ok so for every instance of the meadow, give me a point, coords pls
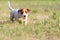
(43, 20)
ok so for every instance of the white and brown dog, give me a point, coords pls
(17, 14)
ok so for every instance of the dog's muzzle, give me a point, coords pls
(24, 16)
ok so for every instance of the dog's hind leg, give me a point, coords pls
(12, 18)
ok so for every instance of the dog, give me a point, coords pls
(17, 14)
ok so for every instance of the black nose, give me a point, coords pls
(24, 15)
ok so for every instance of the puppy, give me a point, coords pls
(17, 14)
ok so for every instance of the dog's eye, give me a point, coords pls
(21, 12)
(25, 11)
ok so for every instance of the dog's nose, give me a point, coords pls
(24, 15)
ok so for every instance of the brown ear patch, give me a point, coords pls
(28, 10)
(20, 10)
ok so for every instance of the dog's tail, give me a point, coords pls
(9, 6)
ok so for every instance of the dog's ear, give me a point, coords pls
(28, 10)
(20, 10)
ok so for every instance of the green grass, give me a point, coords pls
(43, 20)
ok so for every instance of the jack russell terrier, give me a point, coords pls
(17, 14)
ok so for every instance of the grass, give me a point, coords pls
(43, 21)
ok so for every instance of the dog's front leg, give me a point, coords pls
(20, 20)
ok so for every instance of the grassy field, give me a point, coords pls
(43, 20)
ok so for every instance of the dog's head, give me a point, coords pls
(24, 12)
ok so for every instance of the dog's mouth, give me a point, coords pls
(24, 16)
